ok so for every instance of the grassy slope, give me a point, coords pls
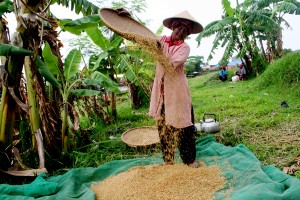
(250, 113)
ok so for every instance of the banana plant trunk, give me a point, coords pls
(135, 101)
(113, 105)
(64, 134)
(5, 137)
(262, 49)
(9, 106)
(113, 99)
(11, 71)
(7, 118)
(271, 55)
(44, 112)
(27, 30)
(279, 43)
(33, 112)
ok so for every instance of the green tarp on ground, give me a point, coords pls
(246, 178)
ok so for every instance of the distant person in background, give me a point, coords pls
(241, 72)
(223, 74)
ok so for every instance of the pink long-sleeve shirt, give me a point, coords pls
(177, 99)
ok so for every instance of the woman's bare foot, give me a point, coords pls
(169, 163)
(194, 164)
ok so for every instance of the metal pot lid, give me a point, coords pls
(209, 120)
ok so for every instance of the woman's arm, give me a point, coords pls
(180, 56)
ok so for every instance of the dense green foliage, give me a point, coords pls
(193, 64)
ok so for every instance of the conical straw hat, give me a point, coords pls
(196, 26)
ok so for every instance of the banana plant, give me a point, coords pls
(68, 80)
(9, 99)
(110, 47)
(112, 60)
(138, 68)
(277, 9)
(236, 32)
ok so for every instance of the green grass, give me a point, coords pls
(249, 113)
(106, 144)
(251, 117)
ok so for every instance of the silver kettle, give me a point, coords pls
(209, 125)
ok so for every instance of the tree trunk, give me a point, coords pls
(5, 136)
(47, 109)
(262, 49)
(134, 95)
(64, 133)
(279, 43)
(246, 62)
(33, 112)
(271, 55)
(113, 105)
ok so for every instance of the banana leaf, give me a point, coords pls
(79, 25)
(72, 62)
(85, 92)
(83, 6)
(46, 73)
(6, 6)
(51, 61)
(104, 81)
(8, 50)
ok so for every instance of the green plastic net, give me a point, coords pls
(246, 178)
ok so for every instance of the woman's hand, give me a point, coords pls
(123, 12)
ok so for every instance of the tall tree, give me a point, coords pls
(236, 32)
(102, 37)
(193, 63)
(276, 10)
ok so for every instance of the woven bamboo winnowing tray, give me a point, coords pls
(127, 27)
(141, 136)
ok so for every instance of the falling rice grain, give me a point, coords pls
(150, 45)
(143, 37)
(162, 182)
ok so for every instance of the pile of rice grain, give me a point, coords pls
(162, 182)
